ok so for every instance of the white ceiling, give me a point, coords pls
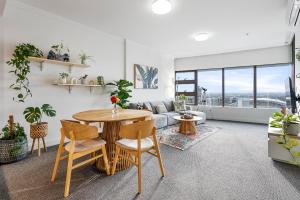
(228, 21)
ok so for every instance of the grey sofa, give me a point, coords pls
(164, 119)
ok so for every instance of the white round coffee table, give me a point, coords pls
(187, 126)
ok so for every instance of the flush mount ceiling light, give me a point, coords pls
(201, 37)
(161, 7)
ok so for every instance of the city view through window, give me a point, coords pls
(238, 86)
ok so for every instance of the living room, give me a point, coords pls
(206, 77)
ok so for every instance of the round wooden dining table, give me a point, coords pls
(111, 128)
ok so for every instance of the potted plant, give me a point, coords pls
(63, 77)
(33, 115)
(21, 69)
(13, 143)
(284, 121)
(83, 58)
(122, 92)
(100, 80)
(83, 79)
(59, 52)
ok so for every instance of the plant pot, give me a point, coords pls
(12, 151)
(84, 81)
(293, 129)
(39, 130)
(63, 80)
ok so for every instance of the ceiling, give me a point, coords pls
(234, 25)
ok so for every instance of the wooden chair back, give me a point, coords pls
(131, 131)
(77, 131)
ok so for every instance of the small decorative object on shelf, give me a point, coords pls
(187, 116)
(13, 142)
(63, 78)
(122, 91)
(100, 80)
(73, 81)
(92, 82)
(114, 100)
(83, 79)
(59, 52)
(83, 58)
(38, 129)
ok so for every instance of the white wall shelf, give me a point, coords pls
(56, 62)
(70, 86)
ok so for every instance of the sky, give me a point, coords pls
(240, 80)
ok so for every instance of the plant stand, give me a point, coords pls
(37, 132)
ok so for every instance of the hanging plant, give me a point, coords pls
(20, 63)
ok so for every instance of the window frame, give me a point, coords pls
(253, 67)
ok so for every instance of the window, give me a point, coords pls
(210, 87)
(271, 85)
(186, 84)
(239, 87)
(246, 87)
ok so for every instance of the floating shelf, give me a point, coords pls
(56, 62)
(70, 86)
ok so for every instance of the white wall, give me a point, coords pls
(243, 58)
(138, 54)
(27, 24)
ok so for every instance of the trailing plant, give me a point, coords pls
(122, 91)
(83, 77)
(83, 58)
(282, 120)
(35, 114)
(20, 63)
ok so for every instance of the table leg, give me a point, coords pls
(111, 135)
(187, 127)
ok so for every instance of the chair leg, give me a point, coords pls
(105, 160)
(159, 156)
(139, 173)
(115, 160)
(39, 149)
(32, 147)
(68, 177)
(59, 151)
(44, 143)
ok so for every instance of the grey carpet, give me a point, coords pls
(231, 164)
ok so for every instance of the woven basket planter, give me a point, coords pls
(39, 130)
(12, 151)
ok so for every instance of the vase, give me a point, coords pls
(115, 109)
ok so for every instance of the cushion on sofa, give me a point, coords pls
(154, 104)
(169, 105)
(171, 120)
(161, 109)
(148, 106)
(179, 106)
(160, 120)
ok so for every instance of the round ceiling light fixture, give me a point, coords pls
(161, 7)
(201, 37)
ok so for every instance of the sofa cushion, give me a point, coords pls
(160, 120)
(169, 105)
(179, 106)
(161, 109)
(171, 120)
(148, 106)
(154, 104)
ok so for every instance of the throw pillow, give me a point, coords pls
(161, 109)
(148, 106)
(179, 106)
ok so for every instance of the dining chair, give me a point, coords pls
(135, 141)
(84, 140)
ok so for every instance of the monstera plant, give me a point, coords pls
(21, 69)
(122, 92)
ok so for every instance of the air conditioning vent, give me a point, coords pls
(293, 12)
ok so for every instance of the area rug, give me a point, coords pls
(173, 138)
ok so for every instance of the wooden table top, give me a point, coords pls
(195, 118)
(105, 115)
